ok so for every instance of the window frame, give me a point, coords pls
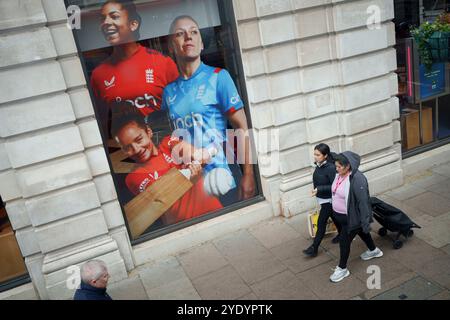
(228, 19)
(18, 280)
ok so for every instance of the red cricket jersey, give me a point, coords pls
(139, 80)
(194, 203)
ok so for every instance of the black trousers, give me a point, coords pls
(346, 238)
(326, 211)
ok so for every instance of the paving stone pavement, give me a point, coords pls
(265, 261)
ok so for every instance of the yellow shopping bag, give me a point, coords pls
(313, 218)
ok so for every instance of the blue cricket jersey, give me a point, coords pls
(199, 106)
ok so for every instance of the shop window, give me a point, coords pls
(164, 127)
(423, 91)
(12, 265)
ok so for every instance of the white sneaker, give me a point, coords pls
(339, 274)
(377, 253)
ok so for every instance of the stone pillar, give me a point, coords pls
(316, 72)
(54, 174)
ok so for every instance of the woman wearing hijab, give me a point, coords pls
(352, 211)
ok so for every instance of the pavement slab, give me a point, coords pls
(414, 289)
(265, 261)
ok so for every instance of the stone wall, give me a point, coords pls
(315, 72)
(54, 175)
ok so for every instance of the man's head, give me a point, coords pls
(120, 21)
(95, 273)
(185, 39)
(129, 129)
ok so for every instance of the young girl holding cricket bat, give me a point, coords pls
(135, 138)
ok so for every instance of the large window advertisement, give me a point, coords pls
(165, 78)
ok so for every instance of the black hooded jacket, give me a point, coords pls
(323, 178)
(359, 208)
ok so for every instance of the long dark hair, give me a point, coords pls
(124, 113)
(325, 150)
(130, 8)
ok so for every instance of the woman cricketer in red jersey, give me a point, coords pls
(133, 73)
(135, 138)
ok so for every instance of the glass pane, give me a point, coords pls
(428, 117)
(434, 4)
(11, 260)
(444, 117)
(166, 89)
(420, 84)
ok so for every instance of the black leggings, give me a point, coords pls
(346, 238)
(326, 211)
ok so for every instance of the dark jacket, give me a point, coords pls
(323, 178)
(359, 208)
(88, 292)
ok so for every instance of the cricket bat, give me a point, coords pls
(150, 205)
(117, 157)
(119, 166)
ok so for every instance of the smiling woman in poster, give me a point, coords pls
(201, 101)
(133, 73)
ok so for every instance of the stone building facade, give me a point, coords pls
(335, 83)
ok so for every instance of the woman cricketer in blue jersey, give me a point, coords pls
(200, 102)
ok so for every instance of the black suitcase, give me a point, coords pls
(392, 219)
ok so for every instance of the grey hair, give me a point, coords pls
(92, 270)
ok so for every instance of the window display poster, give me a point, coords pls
(432, 82)
(166, 104)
